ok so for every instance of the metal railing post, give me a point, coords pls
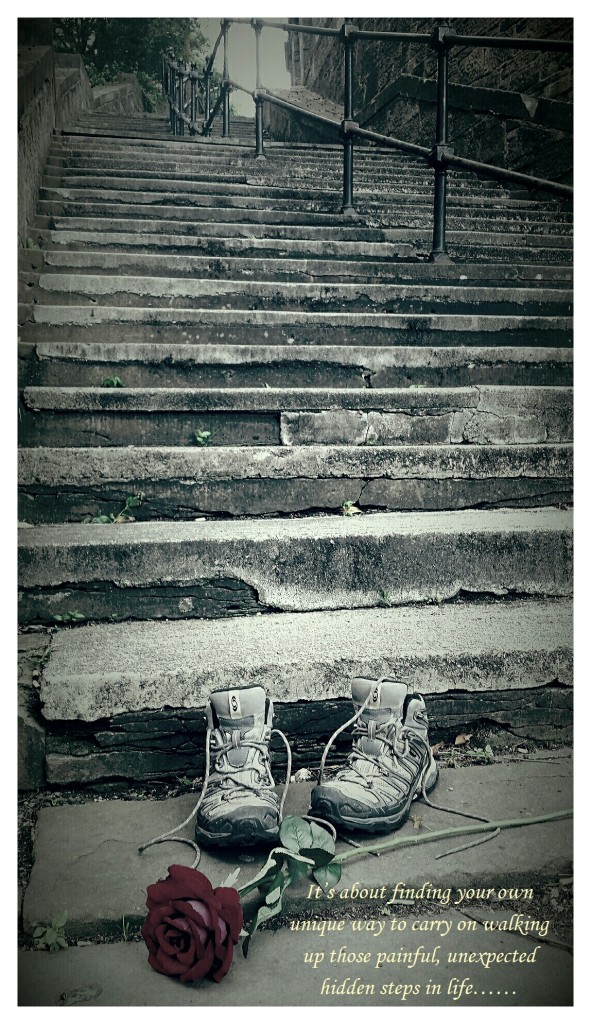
(259, 152)
(226, 88)
(193, 107)
(441, 150)
(347, 209)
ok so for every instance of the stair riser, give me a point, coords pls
(380, 562)
(171, 743)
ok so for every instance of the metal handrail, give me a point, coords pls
(441, 156)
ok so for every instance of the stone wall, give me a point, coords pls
(512, 107)
(53, 88)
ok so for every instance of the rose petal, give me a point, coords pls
(223, 969)
(231, 910)
(201, 968)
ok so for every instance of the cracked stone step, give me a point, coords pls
(235, 267)
(78, 846)
(180, 293)
(186, 570)
(67, 484)
(143, 356)
(88, 417)
(306, 656)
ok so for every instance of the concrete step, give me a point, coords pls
(46, 359)
(463, 247)
(282, 269)
(367, 204)
(101, 290)
(76, 847)
(405, 208)
(211, 570)
(95, 416)
(306, 656)
(67, 484)
(264, 327)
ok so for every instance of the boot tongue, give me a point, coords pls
(233, 706)
(241, 710)
(385, 706)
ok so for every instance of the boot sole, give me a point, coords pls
(245, 833)
(383, 824)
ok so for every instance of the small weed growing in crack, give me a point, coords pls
(482, 754)
(203, 438)
(67, 617)
(126, 930)
(32, 245)
(417, 386)
(42, 657)
(112, 382)
(385, 599)
(349, 508)
(51, 936)
(132, 501)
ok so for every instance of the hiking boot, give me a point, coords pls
(239, 806)
(389, 766)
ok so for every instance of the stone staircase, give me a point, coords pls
(350, 460)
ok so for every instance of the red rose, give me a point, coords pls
(191, 929)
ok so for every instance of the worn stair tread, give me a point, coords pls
(103, 670)
(59, 467)
(285, 399)
(74, 287)
(303, 232)
(199, 317)
(455, 275)
(78, 846)
(304, 564)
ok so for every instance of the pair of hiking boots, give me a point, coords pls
(390, 764)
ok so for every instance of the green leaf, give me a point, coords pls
(132, 502)
(60, 920)
(58, 618)
(320, 857)
(322, 837)
(264, 913)
(75, 615)
(38, 933)
(297, 869)
(50, 936)
(295, 833)
(62, 942)
(328, 875)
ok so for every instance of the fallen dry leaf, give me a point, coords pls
(437, 747)
(462, 738)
